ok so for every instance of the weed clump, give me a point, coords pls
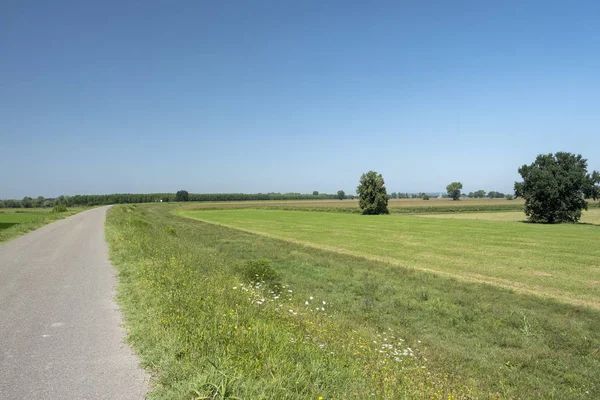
(260, 271)
(59, 208)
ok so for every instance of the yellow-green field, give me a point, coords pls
(592, 216)
(395, 205)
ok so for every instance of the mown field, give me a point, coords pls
(350, 307)
(15, 222)
(559, 261)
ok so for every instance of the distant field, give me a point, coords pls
(557, 261)
(351, 206)
(592, 216)
(18, 221)
(8, 220)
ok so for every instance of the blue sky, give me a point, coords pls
(156, 96)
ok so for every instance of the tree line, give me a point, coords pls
(125, 198)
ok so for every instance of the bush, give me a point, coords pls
(509, 197)
(260, 271)
(425, 197)
(59, 208)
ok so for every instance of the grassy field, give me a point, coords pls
(559, 261)
(333, 324)
(592, 216)
(351, 206)
(15, 222)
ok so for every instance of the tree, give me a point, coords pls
(555, 187)
(373, 198)
(39, 201)
(425, 197)
(315, 193)
(182, 195)
(341, 194)
(27, 202)
(453, 190)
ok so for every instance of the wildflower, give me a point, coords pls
(323, 308)
(311, 297)
(235, 287)
(324, 303)
(306, 302)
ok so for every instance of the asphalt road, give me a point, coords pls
(60, 330)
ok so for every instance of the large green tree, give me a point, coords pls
(373, 198)
(182, 195)
(555, 187)
(453, 190)
(341, 194)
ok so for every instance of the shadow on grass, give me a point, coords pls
(524, 221)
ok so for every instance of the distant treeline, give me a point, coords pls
(123, 198)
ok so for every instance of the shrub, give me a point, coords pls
(59, 208)
(425, 197)
(259, 271)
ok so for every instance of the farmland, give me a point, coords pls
(351, 206)
(18, 221)
(444, 305)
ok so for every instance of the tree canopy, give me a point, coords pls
(341, 194)
(555, 187)
(373, 198)
(182, 195)
(453, 190)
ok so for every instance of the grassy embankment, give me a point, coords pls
(15, 222)
(386, 331)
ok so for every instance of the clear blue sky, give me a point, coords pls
(156, 96)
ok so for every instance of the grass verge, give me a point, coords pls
(321, 324)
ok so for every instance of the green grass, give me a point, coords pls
(196, 333)
(17, 222)
(558, 261)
